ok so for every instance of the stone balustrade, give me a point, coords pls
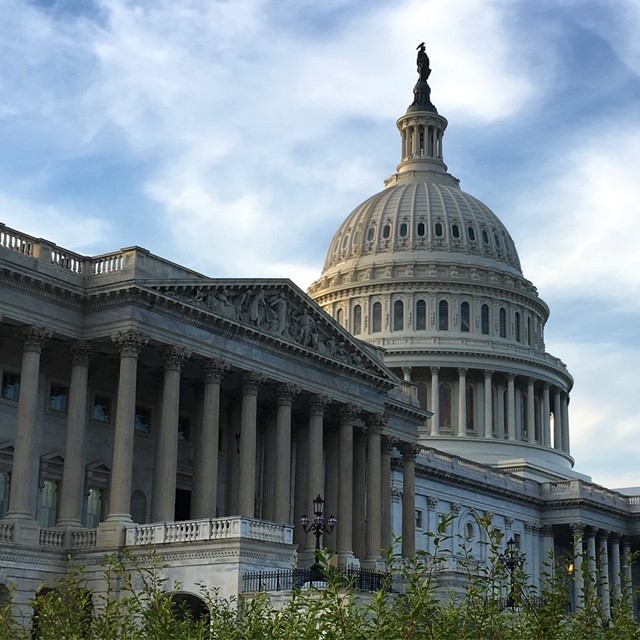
(6, 532)
(52, 538)
(208, 529)
(84, 539)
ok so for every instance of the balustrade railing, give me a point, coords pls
(84, 538)
(52, 538)
(6, 532)
(15, 240)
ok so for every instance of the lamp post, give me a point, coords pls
(512, 558)
(318, 526)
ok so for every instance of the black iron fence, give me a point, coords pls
(289, 579)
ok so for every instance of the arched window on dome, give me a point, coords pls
(484, 319)
(529, 332)
(485, 236)
(371, 234)
(438, 230)
(398, 315)
(518, 322)
(471, 233)
(357, 320)
(465, 319)
(340, 317)
(471, 408)
(421, 315)
(446, 406)
(443, 315)
(503, 322)
(421, 230)
(404, 229)
(455, 231)
(376, 317)
(497, 239)
(386, 231)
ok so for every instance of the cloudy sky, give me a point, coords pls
(233, 136)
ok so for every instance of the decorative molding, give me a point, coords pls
(34, 337)
(130, 343)
(174, 356)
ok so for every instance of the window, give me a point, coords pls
(464, 317)
(421, 229)
(497, 239)
(357, 320)
(101, 411)
(469, 531)
(48, 503)
(471, 407)
(371, 233)
(444, 393)
(529, 332)
(421, 315)
(518, 327)
(471, 233)
(184, 428)
(484, 319)
(403, 230)
(376, 318)
(455, 231)
(443, 315)
(93, 508)
(10, 386)
(4, 493)
(485, 236)
(503, 322)
(438, 229)
(143, 420)
(418, 518)
(386, 231)
(340, 317)
(58, 398)
(398, 315)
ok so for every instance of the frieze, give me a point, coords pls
(276, 312)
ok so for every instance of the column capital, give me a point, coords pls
(286, 393)
(488, 373)
(511, 377)
(547, 530)
(462, 371)
(174, 356)
(531, 380)
(33, 337)
(604, 533)
(590, 531)
(376, 422)
(349, 412)
(578, 528)
(434, 371)
(432, 502)
(130, 343)
(615, 536)
(409, 451)
(214, 369)
(81, 352)
(545, 385)
(318, 403)
(251, 381)
(388, 444)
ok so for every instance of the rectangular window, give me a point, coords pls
(93, 508)
(48, 503)
(10, 386)
(143, 420)
(58, 398)
(101, 411)
(418, 519)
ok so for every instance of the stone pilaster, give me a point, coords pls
(22, 479)
(547, 555)
(205, 481)
(72, 493)
(409, 453)
(435, 401)
(282, 497)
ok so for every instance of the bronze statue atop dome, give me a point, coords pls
(423, 63)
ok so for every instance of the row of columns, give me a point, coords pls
(204, 498)
(421, 141)
(507, 420)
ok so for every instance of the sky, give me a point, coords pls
(233, 137)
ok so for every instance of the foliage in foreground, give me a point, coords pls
(138, 604)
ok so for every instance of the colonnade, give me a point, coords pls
(355, 479)
(420, 141)
(494, 405)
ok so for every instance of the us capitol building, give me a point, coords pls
(146, 406)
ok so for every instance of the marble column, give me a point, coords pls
(546, 416)
(627, 574)
(501, 419)
(205, 481)
(406, 374)
(315, 485)
(233, 459)
(603, 573)
(22, 476)
(591, 577)
(462, 402)
(531, 411)
(72, 493)
(557, 420)
(348, 415)
(331, 484)
(564, 411)
(248, 438)
(547, 556)
(488, 405)
(269, 462)
(385, 492)
(360, 497)
(578, 557)
(409, 454)
(303, 463)
(375, 427)
(165, 468)
(129, 344)
(435, 401)
(282, 495)
(616, 590)
(511, 407)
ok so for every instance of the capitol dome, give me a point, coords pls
(430, 274)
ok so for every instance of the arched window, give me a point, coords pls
(485, 236)
(465, 317)
(443, 315)
(421, 229)
(471, 408)
(444, 393)
(518, 327)
(421, 315)
(484, 319)
(376, 317)
(340, 317)
(497, 239)
(357, 320)
(455, 231)
(403, 230)
(503, 322)
(398, 315)
(438, 229)
(471, 232)
(386, 231)
(371, 232)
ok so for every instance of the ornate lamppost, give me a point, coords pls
(512, 559)
(318, 526)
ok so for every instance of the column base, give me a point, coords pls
(112, 534)
(347, 560)
(375, 563)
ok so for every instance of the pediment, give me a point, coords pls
(279, 309)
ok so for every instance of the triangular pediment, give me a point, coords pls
(279, 309)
